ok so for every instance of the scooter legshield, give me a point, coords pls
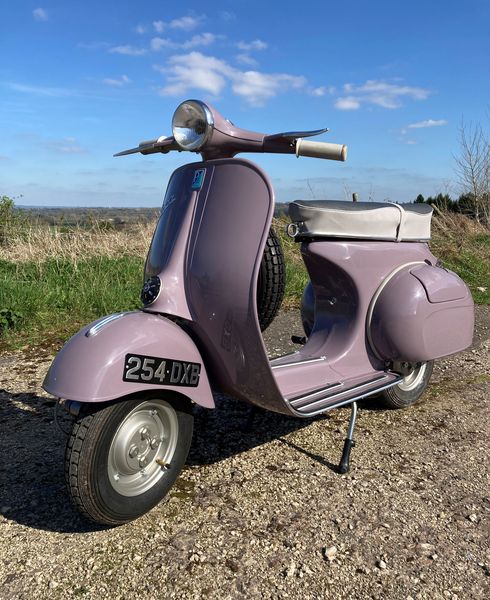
(126, 353)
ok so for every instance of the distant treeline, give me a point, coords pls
(105, 218)
(465, 204)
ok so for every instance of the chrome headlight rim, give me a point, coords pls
(207, 116)
(151, 290)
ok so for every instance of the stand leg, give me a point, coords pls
(349, 443)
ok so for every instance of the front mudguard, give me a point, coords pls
(90, 366)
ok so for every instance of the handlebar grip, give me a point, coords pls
(321, 150)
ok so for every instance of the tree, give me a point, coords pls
(473, 170)
(419, 199)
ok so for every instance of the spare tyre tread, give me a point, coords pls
(271, 282)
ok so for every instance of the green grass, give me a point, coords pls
(469, 257)
(49, 300)
(54, 298)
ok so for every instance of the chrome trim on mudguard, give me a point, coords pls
(94, 330)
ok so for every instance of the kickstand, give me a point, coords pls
(349, 443)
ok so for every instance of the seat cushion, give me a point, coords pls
(361, 220)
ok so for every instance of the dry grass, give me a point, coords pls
(39, 243)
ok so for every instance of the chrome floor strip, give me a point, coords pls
(325, 404)
(353, 389)
(299, 362)
(300, 399)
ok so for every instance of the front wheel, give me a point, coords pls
(121, 460)
(410, 388)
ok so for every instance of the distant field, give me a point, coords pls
(60, 271)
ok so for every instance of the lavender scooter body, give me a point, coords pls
(376, 313)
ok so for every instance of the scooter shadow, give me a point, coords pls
(234, 427)
(32, 486)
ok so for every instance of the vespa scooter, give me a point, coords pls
(378, 310)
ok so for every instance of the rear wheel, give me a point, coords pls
(271, 281)
(120, 461)
(410, 389)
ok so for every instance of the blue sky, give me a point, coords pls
(82, 80)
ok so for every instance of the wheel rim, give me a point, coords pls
(414, 379)
(143, 447)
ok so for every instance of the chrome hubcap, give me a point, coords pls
(143, 447)
(415, 378)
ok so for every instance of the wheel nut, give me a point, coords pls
(154, 443)
(133, 451)
(144, 433)
(143, 462)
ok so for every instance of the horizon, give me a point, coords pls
(393, 82)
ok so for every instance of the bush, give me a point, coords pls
(10, 220)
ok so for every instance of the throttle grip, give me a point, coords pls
(321, 150)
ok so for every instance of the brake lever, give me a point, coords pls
(162, 144)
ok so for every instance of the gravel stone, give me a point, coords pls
(255, 508)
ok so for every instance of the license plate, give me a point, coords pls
(160, 371)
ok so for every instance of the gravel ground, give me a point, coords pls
(262, 513)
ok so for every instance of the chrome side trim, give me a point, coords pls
(299, 362)
(98, 326)
(377, 293)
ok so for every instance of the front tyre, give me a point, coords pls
(122, 460)
(410, 389)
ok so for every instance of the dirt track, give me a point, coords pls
(263, 514)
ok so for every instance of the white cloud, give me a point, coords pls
(202, 39)
(37, 90)
(227, 15)
(322, 91)
(212, 75)
(195, 70)
(347, 103)
(157, 43)
(67, 145)
(186, 23)
(256, 88)
(246, 59)
(254, 45)
(128, 50)
(411, 142)
(123, 80)
(40, 14)
(379, 93)
(159, 26)
(427, 123)
(141, 29)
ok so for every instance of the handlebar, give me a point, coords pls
(321, 150)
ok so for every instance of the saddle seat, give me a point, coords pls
(360, 220)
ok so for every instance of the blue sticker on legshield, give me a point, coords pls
(198, 179)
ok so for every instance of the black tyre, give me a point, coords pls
(271, 281)
(410, 390)
(121, 460)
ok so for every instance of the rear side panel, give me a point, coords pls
(422, 313)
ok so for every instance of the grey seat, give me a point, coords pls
(361, 220)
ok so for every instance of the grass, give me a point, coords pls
(53, 282)
(55, 297)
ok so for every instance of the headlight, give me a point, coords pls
(192, 124)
